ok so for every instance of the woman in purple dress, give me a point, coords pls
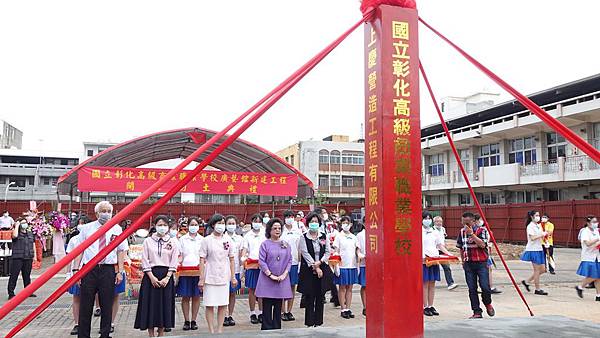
(275, 261)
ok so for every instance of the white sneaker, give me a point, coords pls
(453, 286)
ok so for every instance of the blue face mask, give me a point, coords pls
(427, 222)
(313, 226)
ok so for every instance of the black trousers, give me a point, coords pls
(22, 266)
(100, 280)
(313, 312)
(549, 251)
(271, 314)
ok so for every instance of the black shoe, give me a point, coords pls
(260, 318)
(231, 323)
(350, 314)
(433, 311)
(75, 330)
(226, 322)
(590, 286)
(552, 273)
(290, 317)
(541, 292)
(11, 297)
(97, 312)
(598, 298)
(365, 312)
(254, 319)
(167, 329)
(33, 295)
(284, 317)
(526, 286)
(579, 291)
(495, 291)
(427, 312)
(186, 326)
(344, 315)
(112, 329)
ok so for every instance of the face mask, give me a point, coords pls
(162, 229)
(266, 220)
(173, 233)
(103, 217)
(313, 226)
(219, 228)
(325, 216)
(536, 219)
(438, 226)
(289, 221)
(6, 214)
(231, 228)
(256, 226)
(544, 219)
(594, 226)
(427, 222)
(480, 223)
(24, 225)
(346, 226)
(194, 229)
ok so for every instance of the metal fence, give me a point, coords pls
(540, 168)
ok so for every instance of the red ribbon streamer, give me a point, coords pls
(525, 101)
(272, 97)
(471, 191)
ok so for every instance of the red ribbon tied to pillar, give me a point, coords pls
(366, 4)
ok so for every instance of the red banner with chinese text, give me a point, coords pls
(207, 182)
(393, 174)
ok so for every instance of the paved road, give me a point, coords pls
(453, 305)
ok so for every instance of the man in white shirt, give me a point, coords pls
(252, 241)
(103, 277)
(291, 235)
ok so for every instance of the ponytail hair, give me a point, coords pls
(530, 215)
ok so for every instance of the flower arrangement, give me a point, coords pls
(59, 222)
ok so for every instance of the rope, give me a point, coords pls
(273, 97)
(471, 191)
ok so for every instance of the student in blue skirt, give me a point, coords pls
(231, 225)
(534, 252)
(362, 276)
(589, 268)
(187, 286)
(346, 246)
(252, 242)
(432, 246)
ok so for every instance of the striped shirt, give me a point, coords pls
(469, 249)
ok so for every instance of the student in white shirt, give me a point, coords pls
(291, 234)
(346, 245)
(432, 245)
(252, 241)
(231, 226)
(589, 268)
(534, 252)
(299, 223)
(362, 276)
(438, 225)
(187, 286)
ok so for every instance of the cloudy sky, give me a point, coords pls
(74, 71)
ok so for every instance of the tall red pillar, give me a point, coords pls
(393, 175)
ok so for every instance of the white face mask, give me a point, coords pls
(5, 214)
(194, 229)
(24, 225)
(481, 223)
(544, 219)
(427, 222)
(325, 216)
(536, 219)
(346, 226)
(438, 226)
(256, 226)
(173, 233)
(162, 229)
(594, 225)
(220, 228)
(231, 228)
(103, 217)
(289, 221)
(266, 220)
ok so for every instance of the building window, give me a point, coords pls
(464, 199)
(436, 200)
(287, 159)
(90, 152)
(465, 157)
(523, 197)
(46, 180)
(353, 158)
(489, 155)
(554, 195)
(54, 181)
(596, 141)
(556, 146)
(334, 181)
(489, 198)
(323, 181)
(292, 159)
(359, 181)
(335, 157)
(323, 157)
(436, 165)
(347, 181)
(522, 151)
